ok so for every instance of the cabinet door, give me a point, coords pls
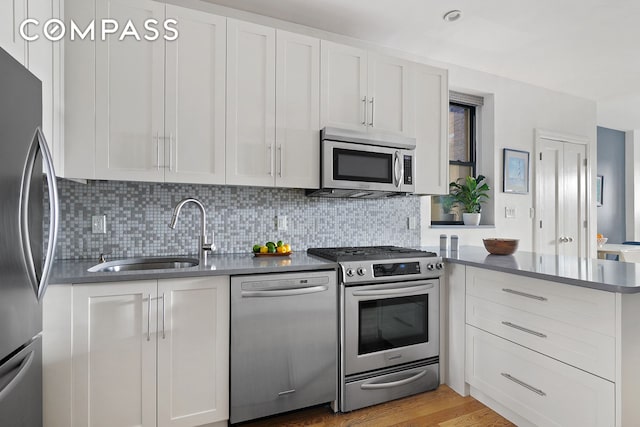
(195, 98)
(390, 106)
(12, 13)
(114, 354)
(343, 93)
(130, 96)
(41, 65)
(251, 89)
(297, 111)
(193, 351)
(431, 101)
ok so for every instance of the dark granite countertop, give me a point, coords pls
(604, 275)
(75, 271)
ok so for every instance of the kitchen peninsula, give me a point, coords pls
(544, 340)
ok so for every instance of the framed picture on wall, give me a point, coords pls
(599, 189)
(515, 177)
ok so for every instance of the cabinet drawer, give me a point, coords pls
(577, 346)
(540, 389)
(585, 308)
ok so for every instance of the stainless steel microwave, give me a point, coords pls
(361, 165)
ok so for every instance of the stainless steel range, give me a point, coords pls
(389, 322)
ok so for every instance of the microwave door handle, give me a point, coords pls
(398, 169)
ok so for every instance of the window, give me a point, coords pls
(462, 153)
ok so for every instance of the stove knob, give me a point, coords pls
(439, 266)
(350, 272)
(362, 271)
(430, 267)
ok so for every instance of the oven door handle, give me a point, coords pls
(379, 386)
(284, 292)
(395, 291)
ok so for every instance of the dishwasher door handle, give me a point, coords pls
(284, 292)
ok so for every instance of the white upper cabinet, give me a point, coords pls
(160, 104)
(297, 111)
(364, 91)
(44, 57)
(12, 13)
(390, 106)
(343, 94)
(130, 96)
(194, 135)
(251, 92)
(431, 106)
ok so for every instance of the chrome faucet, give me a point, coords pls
(205, 247)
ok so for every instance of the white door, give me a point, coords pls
(390, 107)
(251, 90)
(193, 351)
(12, 13)
(114, 354)
(297, 111)
(431, 107)
(194, 135)
(561, 198)
(130, 96)
(343, 92)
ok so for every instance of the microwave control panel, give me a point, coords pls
(408, 172)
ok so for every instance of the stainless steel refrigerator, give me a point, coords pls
(25, 263)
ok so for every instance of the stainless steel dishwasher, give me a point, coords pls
(284, 339)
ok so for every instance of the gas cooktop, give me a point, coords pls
(364, 253)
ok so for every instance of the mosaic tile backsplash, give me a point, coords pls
(138, 214)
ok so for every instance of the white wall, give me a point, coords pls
(518, 109)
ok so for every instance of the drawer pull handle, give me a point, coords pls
(523, 384)
(523, 329)
(524, 294)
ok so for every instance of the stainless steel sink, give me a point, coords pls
(146, 263)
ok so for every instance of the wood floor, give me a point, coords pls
(440, 408)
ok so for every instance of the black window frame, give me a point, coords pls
(472, 152)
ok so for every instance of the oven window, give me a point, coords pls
(392, 323)
(354, 165)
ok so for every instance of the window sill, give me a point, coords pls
(455, 226)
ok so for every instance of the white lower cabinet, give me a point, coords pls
(142, 353)
(193, 351)
(539, 352)
(540, 389)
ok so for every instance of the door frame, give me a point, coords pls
(561, 137)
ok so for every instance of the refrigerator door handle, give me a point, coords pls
(39, 143)
(20, 372)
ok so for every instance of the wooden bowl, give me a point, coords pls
(500, 246)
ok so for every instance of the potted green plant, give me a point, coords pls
(469, 194)
(447, 202)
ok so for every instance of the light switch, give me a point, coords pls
(509, 212)
(99, 224)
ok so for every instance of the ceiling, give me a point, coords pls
(588, 48)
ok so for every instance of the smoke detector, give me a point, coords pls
(452, 15)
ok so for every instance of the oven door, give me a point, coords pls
(367, 167)
(390, 324)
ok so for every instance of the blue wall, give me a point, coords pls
(611, 215)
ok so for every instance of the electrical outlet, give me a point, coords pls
(509, 212)
(99, 224)
(281, 223)
(411, 222)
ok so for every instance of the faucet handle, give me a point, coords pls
(103, 257)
